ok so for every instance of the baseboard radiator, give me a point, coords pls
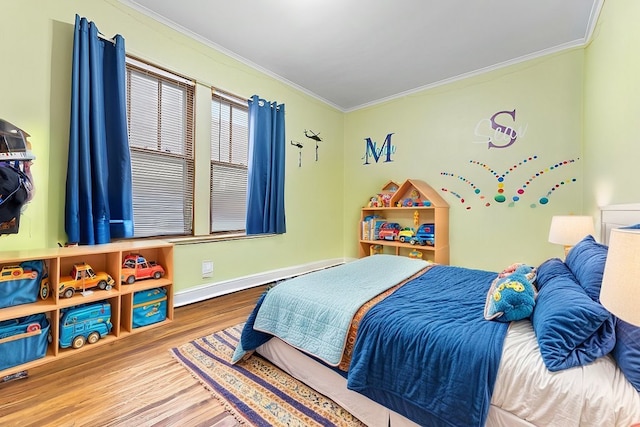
(216, 289)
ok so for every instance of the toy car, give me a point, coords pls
(15, 272)
(84, 323)
(389, 231)
(82, 277)
(136, 267)
(425, 235)
(406, 234)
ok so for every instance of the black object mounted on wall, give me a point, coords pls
(13, 143)
(316, 137)
(16, 185)
(300, 146)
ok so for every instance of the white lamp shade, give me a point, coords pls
(570, 229)
(620, 292)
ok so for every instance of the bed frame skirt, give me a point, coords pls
(334, 386)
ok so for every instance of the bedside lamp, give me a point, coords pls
(620, 291)
(568, 230)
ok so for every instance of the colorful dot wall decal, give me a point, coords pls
(503, 190)
(476, 190)
(554, 167)
(545, 199)
(500, 198)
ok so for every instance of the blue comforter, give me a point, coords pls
(313, 312)
(427, 352)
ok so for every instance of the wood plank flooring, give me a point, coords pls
(130, 382)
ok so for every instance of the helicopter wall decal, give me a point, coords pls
(315, 136)
(300, 146)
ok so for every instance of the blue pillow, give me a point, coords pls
(571, 328)
(551, 269)
(586, 262)
(627, 351)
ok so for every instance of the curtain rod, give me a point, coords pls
(106, 38)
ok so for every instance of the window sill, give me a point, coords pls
(213, 238)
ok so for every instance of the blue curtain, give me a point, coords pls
(98, 203)
(265, 192)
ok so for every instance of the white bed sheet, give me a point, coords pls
(595, 395)
(526, 393)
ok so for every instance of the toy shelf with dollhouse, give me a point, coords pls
(105, 259)
(416, 207)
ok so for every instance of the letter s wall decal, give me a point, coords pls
(507, 131)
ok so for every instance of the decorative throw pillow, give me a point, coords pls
(586, 261)
(510, 298)
(518, 267)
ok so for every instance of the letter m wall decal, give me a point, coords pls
(371, 150)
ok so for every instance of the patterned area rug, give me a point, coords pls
(255, 391)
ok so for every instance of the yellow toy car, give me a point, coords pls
(81, 278)
(406, 234)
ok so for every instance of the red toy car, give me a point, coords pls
(136, 267)
(389, 231)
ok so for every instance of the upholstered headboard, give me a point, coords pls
(615, 216)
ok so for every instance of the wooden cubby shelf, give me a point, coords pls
(426, 206)
(102, 258)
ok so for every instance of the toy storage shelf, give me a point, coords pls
(102, 258)
(437, 213)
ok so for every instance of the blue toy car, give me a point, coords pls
(84, 323)
(425, 235)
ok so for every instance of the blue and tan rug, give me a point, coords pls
(255, 391)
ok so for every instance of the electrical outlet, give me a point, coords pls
(207, 269)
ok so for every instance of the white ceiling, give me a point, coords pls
(354, 53)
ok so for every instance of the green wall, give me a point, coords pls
(435, 133)
(577, 106)
(612, 108)
(37, 38)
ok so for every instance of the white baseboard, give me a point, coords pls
(216, 289)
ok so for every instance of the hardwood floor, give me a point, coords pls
(129, 382)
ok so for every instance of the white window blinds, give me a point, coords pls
(229, 145)
(161, 117)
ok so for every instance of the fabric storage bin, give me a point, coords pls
(23, 340)
(20, 284)
(149, 307)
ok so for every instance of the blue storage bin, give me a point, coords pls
(149, 307)
(20, 284)
(23, 340)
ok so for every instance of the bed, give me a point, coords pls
(404, 342)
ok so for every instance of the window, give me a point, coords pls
(229, 146)
(161, 133)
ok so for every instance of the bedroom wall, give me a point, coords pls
(612, 108)
(37, 38)
(441, 136)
